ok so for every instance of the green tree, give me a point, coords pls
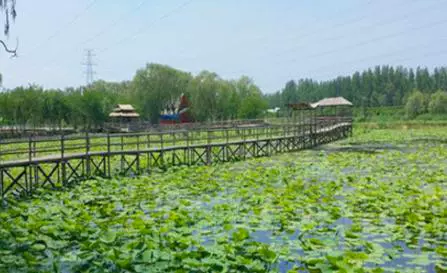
(203, 91)
(438, 103)
(156, 86)
(252, 104)
(290, 93)
(415, 104)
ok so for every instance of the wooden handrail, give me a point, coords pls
(104, 142)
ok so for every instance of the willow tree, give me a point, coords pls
(8, 8)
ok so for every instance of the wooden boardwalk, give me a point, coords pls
(57, 162)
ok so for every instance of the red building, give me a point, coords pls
(176, 113)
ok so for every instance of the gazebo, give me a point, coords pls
(301, 112)
(124, 113)
(303, 115)
(334, 110)
(324, 113)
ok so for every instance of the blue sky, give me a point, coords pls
(269, 41)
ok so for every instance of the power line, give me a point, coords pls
(375, 25)
(391, 54)
(140, 31)
(105, 29)
(68, 24)
(306, 34)
(338, 64)
(362, 43)
(349, 22)
(405, 59)
(376, 39)
(145, 28)
(116, 22)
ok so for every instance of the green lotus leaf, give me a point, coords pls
(8, 259)
(39, 245)
(108, 237)
(240, 234)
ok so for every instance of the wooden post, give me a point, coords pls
(137, 155)
(185, 153)
(63, 167)
(161, 140)
(284, 132)
(162, 161)
(122, 155)
(109, 171)
(149, 160)
(28, 184)
(316, 124)
(267, 139)
(208, 148)
(30, 155)
(138, 143)
(87, 155)
(34, 148)
(244, 144)
(227, 140)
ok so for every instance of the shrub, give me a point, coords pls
(438, 103)
(415, 104)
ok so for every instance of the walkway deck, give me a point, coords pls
(35, 169)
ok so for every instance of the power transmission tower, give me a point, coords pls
(89, 72)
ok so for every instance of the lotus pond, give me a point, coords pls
(373, 203)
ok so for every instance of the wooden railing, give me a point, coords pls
(39, 147)
(57, 161)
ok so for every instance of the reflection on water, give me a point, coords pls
(337, 234)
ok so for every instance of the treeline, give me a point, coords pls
(381, 86)
(213, 98)
(152, 88)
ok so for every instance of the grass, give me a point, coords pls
(395, 115)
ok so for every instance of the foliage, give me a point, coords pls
(152, 89)
(251, 103)
(156, 86)
(438, 103)
(382, 86)
(213, 98)
(204, 90)
(379, 114)
(356, 206)
(34, 107)
(415, 104)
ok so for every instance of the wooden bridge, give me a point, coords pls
(55, 162)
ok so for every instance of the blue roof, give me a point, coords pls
(169, 117)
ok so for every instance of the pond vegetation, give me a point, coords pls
(373, 203)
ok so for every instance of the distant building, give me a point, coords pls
(176, 112)
(124, 113)
(273, 110)
(335, 101)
